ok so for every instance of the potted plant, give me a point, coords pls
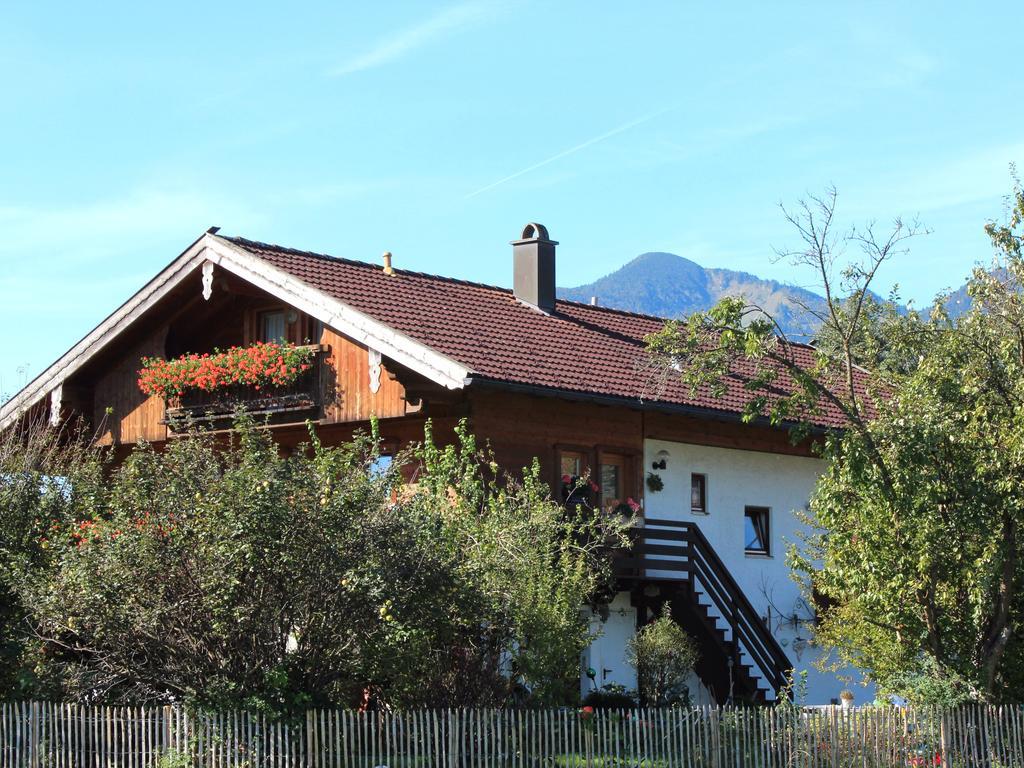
(846, 698)
(654, 482)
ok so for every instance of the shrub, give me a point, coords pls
(663, 655)
(610, 696)
(224, 574)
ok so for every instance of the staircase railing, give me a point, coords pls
(694, 559)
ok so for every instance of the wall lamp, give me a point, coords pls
(660, 459)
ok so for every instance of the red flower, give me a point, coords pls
(260, 365)
(586, 713)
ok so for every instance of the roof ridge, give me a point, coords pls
(615, 310)
(244, 241)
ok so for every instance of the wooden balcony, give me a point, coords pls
(305, 398)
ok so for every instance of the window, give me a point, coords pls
(699, 493)
(613, 477)
(755, 531)
(572, 466)
(611, 482)
(571, 463)
(272, 326)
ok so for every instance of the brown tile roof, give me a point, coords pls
(579, 349)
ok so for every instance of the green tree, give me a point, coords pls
(916, 521)
(44, 475)
(233, 575)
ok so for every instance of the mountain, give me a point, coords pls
(668, 285)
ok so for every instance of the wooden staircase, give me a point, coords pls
(672, 562)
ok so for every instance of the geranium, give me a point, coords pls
(265, 364)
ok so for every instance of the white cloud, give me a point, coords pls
(400, 43)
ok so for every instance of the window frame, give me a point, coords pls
(628, 461)
(703, 509)
(586, 465)
(620, 462)
(766, 539)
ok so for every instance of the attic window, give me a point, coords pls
(272, 326)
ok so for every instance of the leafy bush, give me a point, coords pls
(230, 575)
(663, 655)
(610, 696)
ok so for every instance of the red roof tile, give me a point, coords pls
(578, 349)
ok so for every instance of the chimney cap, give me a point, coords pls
(533, 233)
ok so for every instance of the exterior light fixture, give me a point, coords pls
(660, 459)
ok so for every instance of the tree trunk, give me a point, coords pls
(998, 635)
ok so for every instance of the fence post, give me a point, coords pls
(452, 760)
(943, 738)
(715, 736)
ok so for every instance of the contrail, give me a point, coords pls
(572, 150)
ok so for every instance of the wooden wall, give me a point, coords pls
(521, 427)
(349, 390)
(721, 434)
(134, 415)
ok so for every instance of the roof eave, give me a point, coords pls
(638, 403)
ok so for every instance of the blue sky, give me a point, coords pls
(436, 130)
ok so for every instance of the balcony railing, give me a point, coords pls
(303, 398)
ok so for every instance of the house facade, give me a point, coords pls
(535, 377)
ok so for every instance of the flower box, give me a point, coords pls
(263, 379)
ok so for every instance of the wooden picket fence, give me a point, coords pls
(45, 735)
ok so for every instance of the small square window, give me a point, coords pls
(756, 533)
(699, 493)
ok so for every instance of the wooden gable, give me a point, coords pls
(358, 383)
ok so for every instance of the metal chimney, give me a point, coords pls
(533, 257)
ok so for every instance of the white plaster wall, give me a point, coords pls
(735, 479)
